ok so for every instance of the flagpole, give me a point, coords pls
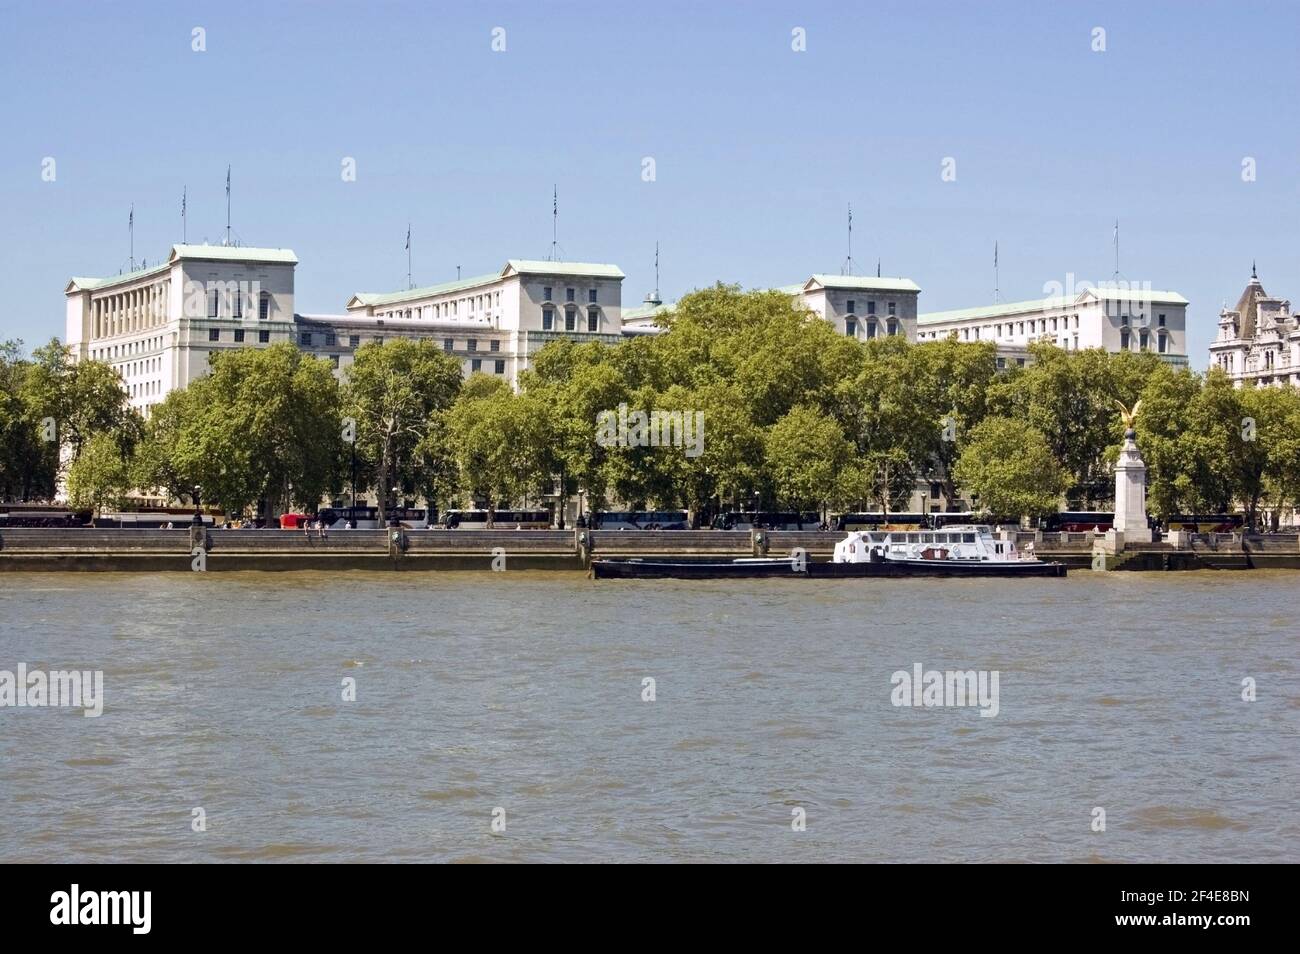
(227, 205)
(184, 233)
(997, 283)
(409, 284)
(130, 227)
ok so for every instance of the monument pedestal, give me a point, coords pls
(1131, 524)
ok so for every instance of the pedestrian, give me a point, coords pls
(320, 528)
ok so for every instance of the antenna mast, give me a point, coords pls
(227, 204)
(847, 269)
(555, 218)
(996, 282)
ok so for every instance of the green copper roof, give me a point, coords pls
(645, 311)
(93, 284)
(427, 291)
(517, 265)
(864, 283)
(207, 253)
(1005, 309)
(234, 253)
(526, 266)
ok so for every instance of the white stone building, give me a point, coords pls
(492, 323)
(1113, 318)
(158, 326)
(862, 307)
(1259, 340)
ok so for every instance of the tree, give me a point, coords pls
(100, 476)
(500, 441)
(1008, 464)
(396, 392)
(807, 453)
(262, 427)
(28, 463)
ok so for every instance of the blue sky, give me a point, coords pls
(758, 148)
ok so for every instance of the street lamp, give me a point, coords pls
(197, 520)
(393, 521)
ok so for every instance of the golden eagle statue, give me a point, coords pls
(1128, 414)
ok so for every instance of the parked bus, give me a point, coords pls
(1077, 521)
(639, 520)
(41, 516)
(501, 519)
(156, 518)
(764, 520)
(1206, 522)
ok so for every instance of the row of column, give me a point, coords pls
(130, 311)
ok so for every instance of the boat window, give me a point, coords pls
(968, 538)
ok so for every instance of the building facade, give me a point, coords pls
(1258, 341)
(158, 326)
(1112, 318)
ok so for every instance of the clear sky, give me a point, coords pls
(757, 148)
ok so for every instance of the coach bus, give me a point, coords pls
(639, 520)
(501, 519)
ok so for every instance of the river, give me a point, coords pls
(518, 698)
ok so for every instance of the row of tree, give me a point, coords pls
(795, 416)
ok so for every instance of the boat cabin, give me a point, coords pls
(974, 542)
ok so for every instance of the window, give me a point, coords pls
(264, 306)
(263, 337)
(499, 367)
(304, 339)
(935, 489)
(214, 334)
(496, 346)
(239, 334)
(1160, 320)
(891, 308)
(448, 344)
(871, 308)
(851, 328)
(354, 341)
(893, 327)
(1020, 327)
(570, 318)
(471, 344)
(1142, 340)
(591, 296)
(239, 304)
(546, 293)
(848, 306)
(1162, 343)
(593, 319)
(548, 318)
(214, 304)
(1123, 339)
(568, 295)
(379, 339)
(331, 340)
(476, 365)
(1002, 363)
(871, 329)
(1053, 324)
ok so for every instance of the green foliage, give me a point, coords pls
(397, 393)
(1008, 465)
(263, 426)
(101, 476)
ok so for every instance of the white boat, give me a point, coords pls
(966, 550)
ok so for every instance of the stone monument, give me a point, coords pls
(1130, 489)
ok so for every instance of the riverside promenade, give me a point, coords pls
(190, 549)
